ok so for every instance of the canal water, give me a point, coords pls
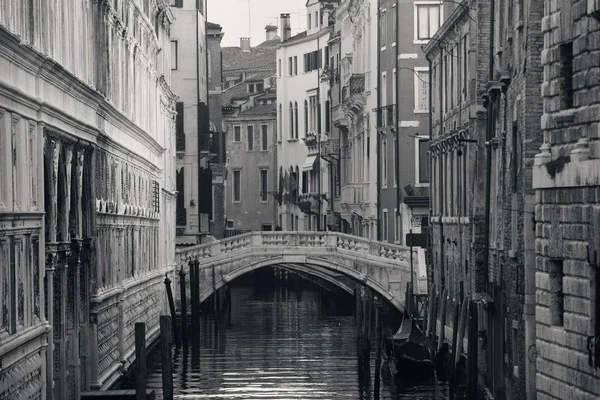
(287, 339)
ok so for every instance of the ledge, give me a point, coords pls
(573, 174)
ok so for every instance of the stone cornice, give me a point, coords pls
(458, 17)
(122, 150)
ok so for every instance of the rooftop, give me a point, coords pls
(260, 57)
(262, 109)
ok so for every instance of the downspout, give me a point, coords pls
(198, 126)
(488, 138)
(397, 103)
(442, 206)
(377, 128)
(530, 301)
(319, 201)
(430, 129)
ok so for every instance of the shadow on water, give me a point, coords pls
(288, 339)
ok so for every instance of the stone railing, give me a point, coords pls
(327, 241)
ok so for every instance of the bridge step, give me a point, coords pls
(116, 395)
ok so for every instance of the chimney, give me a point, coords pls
(286, 29)
(271, 32)
(245, 44)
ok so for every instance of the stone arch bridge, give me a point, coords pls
(333, 256)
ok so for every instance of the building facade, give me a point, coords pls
(355, 117)
(251, 202)
(87, 135)
(485, 132)
(303, 116)
(189, 75)
(566, 180)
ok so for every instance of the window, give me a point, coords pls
(383, 29)
(263, 185)
(384, 225)
(428, 19)
(266, 227)
(237, 133)
(384, 89)
(229, 224)
(397, 227)
(290, 66)
(421, 89)
(296, 119)
(566, 72)
(305, 117)
(295, 65)
(174, 55)
(422, 161)
(309, 20)
(264, 137)
(280, 122)
(279, 68)
(395, 163)
(394, 87)
(384, 162)
(250, 138)
(313, 60)
(291, 120)
(316, 19)
(557, 307)
(259, 87)
(237, 186)
(327, 117)
(394, 26)
(313, 113)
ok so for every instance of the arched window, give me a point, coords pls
(296, 119)
(279, 117)
(291, 120)
(305, 117)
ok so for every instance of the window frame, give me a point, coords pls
(417, 81)
(249, 133)
(239, 136)
(176, 42)
(416, 5)
(385, 224)
(263, 195)
(237, 171)
(264, 137)
(383, 29)
(418, 139)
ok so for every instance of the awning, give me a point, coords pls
(188, 240)
(309, 162)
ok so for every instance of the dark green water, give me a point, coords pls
(285, 342)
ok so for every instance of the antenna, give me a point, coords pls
(249, 22)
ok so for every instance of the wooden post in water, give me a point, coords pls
(430, 310)
(442, 313)
(172, 308)
(472, 352)
(434, 323)
(140, 361)
(378, 328)
(183, 305)
(195, 266)
(167, 357)
(229, 305)
(193, 290)
(214, 296)
(454, 339)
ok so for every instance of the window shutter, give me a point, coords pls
(179, 3)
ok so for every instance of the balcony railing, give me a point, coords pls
(209, 144)
(181, 217)
(386, 116)
(331, 147)
(355, 86)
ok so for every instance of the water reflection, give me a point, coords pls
(284, 342)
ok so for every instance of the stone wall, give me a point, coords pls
(566, 177)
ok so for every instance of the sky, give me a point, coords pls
(233, 15)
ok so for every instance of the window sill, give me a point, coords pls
(394, 44)
(421, 111)
(421, 184)
(292, 140)
(383, 48)
(236, 202)
(420, 41)
(512, 254)
(263, 151)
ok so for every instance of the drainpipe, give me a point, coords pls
(529, 307)
(397, 103)
(441, 187)
(377, 128)
(488, 138)
(430, 129)
(319, 201)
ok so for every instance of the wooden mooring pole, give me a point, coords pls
(454, 346)
(214, 296)
(195, 284)
(167, 357)
(172, 308)
(183, 305)
(472, 352)
(140, 361)
(378, 327)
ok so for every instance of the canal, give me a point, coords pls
(287, 338)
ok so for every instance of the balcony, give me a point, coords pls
(330, 150)
(181, 217)
(386, 117)
(309, 203)
(209, 145)
(180, 143)
(355, 193)
(353, 94)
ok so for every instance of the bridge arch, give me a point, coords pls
(289, 262)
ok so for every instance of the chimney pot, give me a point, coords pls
(245, 44)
